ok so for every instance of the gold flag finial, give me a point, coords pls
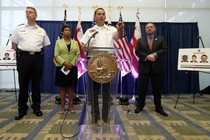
(65, 6)
(79, 10)
(94, 7)
(120, 8)
(110, 9)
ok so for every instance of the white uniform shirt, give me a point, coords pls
(30, 38)
(104, 37)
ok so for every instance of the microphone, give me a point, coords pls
(92, 36)
(8, 39)
(88, 42)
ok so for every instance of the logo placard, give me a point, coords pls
(102, 67)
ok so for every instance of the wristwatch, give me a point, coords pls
(155, 54)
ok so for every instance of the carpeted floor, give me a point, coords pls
(187, 122)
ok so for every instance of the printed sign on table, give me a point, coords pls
(7, 57)
(194, 59)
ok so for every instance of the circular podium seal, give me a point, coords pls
(102, 67)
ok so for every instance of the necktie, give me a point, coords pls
(150, 43)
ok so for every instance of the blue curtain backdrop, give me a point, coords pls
(177, 35)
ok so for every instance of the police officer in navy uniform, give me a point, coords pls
(29, 40)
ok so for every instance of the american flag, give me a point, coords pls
(132, 46)
(63, 24)
(93, 22)
(122, 53)
(81, 63)
(60, 34)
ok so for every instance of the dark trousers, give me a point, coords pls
(29, 69)
(156, 88)
(98, 89)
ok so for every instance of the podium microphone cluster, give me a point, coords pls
(88, 42)
(92, 36)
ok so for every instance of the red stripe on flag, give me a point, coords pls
(134, 58)
(132, 46)
(81, 63)
(123, 55)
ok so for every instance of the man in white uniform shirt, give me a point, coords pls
(104, 36)
(29, 41)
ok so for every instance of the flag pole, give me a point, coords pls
(121, 96)
(94, 7)
(122, 100)
(76, 98)
(133, 99)
(134, 87)
(65, 6)
(64, 20)
(109, 15)
(79, 15)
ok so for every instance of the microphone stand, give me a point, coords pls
(88, 42)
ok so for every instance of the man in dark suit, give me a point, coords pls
(150, 50)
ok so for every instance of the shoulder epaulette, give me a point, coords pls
(92, 30)
(21, 24)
